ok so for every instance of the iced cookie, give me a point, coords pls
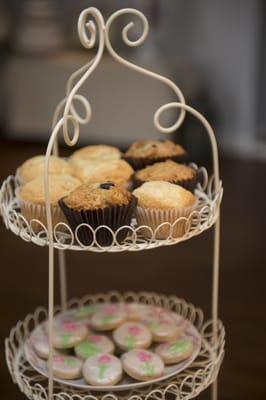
(135, 311)
(132, 335)
(67, 367)
(176, 351)
(102, 370)
(68, 334)
(85, 312)
(163, 325)
(94, 344)
(40, 342)
(142, 365)
(109, 317)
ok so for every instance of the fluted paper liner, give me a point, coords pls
(32, 211)
(114, 217)
(154, 217)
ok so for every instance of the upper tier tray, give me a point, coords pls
(138, 237)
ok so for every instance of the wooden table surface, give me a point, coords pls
(184, 270)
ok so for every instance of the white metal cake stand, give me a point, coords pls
(94, 32)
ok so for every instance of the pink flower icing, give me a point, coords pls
(104, 359)
(59, 358)
(134, 330)
(110, 310)
(69, 326)
(95, 338)
(144, 356)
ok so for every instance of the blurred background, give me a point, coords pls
(216, 53)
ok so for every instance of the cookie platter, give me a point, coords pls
(188, 378)
(137, 238)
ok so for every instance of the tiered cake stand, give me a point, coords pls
(94, 32)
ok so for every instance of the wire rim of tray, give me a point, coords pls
(199, 220)
(185, 385)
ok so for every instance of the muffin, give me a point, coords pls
(117, 171)
(96, 152)
(96, 204)
(32, 198)
(34, 167)
(147, 152)
(160, 202)
(168, 171)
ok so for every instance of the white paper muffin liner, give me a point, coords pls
(153, 218)
(32, 211)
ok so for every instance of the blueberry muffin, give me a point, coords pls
(160, 202)
(34, 167)
(96, 204)
(168, 171)
(147, 152)
(32, 198)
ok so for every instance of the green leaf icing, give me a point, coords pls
(102, 370)
(88, 349)
(179, 347)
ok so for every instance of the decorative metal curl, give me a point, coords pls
(123, 61)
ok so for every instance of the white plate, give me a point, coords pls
(126, 383)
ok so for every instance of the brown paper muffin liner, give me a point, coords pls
(154, 217)
(114, 217)
(189, 184)
(140, 163)
(32, 211)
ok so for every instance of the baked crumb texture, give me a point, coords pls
(168, 171)
(147, 152)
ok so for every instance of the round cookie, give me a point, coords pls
(67, 367)
(163, 325)
(142, 365)
(102, 370)
(109, 317)
(40, 342)
(175, 351)
(94, 344)
(135, 311)
(68, 334)
(132, 335)
(85, 312)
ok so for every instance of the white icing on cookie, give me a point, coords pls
(109, 317)
(175, 351)
(102, 370)
(163, 325)
(142, 365)
(67, 367)
(68, 334)
(94, 344)
(132, 335)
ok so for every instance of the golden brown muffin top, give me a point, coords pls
(163, 195)
(117, 171)
(59, 186)
(34, 167)
(154, 149)
(169, 171)
(97, 152)
(93, 196)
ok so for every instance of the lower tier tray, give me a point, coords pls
(184, 385)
